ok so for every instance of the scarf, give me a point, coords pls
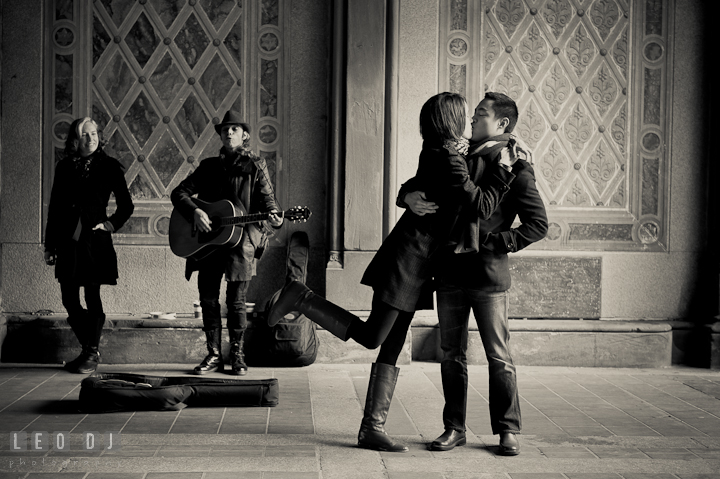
(238, 162)
(82, 165)
(467, 231)
(239, 166)
(506, 144)
(460, 145)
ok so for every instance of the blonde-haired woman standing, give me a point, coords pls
(78, 234)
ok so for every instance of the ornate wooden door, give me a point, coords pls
(157, 75)
(591, 80)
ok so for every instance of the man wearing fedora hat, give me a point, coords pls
(240, 176)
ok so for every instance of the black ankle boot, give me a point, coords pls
(237, 357)
(88, 360)
(72, 366)
(213, 361)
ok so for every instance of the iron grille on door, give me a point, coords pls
(157, 75)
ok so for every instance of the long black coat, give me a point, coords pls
(83, 197)
(224, 178)
(400, 272)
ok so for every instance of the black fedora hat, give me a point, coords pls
(232, 118)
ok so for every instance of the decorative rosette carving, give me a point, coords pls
(648, 232)
(458, 47)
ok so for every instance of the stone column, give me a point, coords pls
(364, 168)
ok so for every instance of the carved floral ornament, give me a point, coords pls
(556, 88)
(533, 50)
(509, 14)
(557, 14)
(603, 90)
(580, 51)
(601, 167)
(604, 15)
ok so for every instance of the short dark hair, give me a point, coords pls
(442, 117)
(504, 107)
(72, 142)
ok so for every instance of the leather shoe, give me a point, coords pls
(509, 445)
(448, 440)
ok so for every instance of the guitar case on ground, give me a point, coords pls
(113, 392)
(293, 341)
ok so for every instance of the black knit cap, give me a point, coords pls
(232, 118)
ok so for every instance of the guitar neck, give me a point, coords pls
(241, 220)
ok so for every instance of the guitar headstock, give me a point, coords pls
(298, 213)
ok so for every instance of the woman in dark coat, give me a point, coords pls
(78, 233)
(401, 270)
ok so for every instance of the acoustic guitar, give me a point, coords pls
(226, 222)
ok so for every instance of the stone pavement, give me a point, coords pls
(578, 423)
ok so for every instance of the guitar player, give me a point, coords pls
(240, 176)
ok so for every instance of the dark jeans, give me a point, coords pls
(209, 280)
(491, 313)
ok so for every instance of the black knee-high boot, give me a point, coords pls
(237, 356)
(381, 387)
(298, 297)
(213, 361)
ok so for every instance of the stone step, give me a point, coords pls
(586, 343)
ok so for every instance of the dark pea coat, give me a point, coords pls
(243, 179)
(79, 202)
(400, 272)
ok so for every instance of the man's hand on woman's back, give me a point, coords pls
(418, 204)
